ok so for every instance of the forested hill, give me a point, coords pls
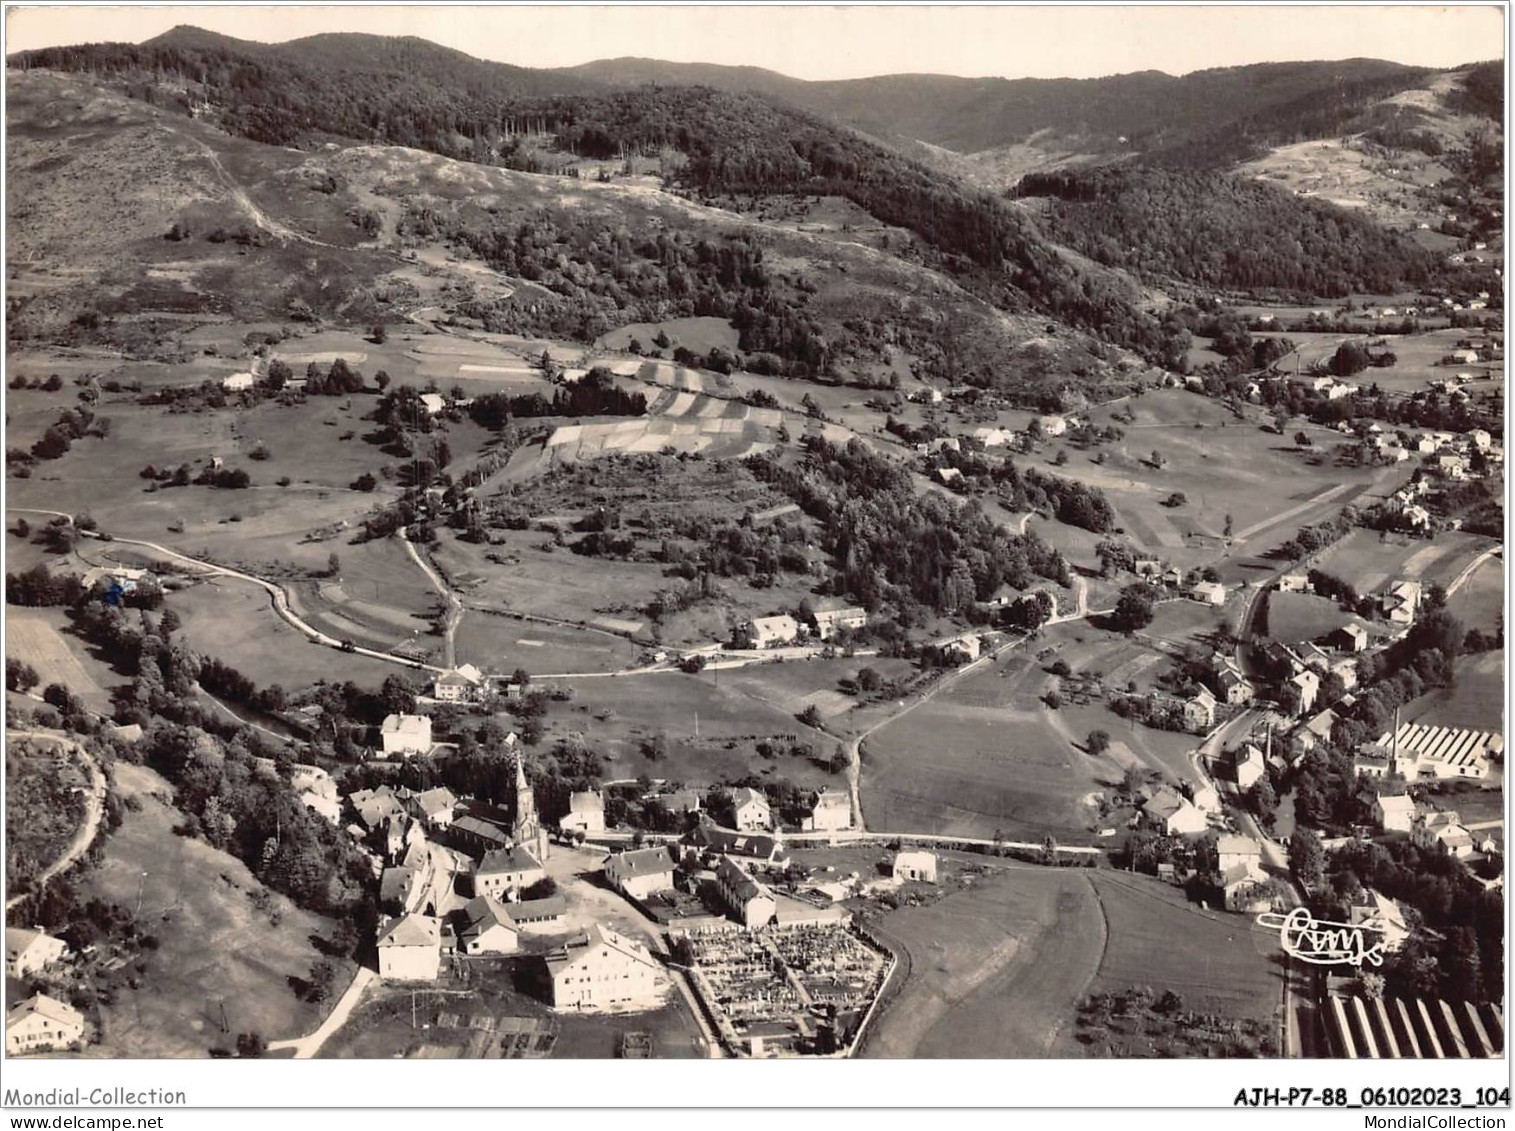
(1204, 119)
(731, 144)
(1223, 231)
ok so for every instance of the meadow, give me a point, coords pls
(34, 636)
(217, 954)
(1367, 559)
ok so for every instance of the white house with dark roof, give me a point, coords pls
(410, 949)
(639, 872)
(406, 734)
(769, 632)
(830, 811)
(505, 872)
(750, 811)
(604, 970)
(487, 928)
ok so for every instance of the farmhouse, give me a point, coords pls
(42, 1023)
(487, 928)
(1239, 852)
(1396, 813)
(750, 902)
(1205, 797)
(919, 867)
(1209, 593)
(586, 812)
(750, 810)
(237, 382)
(1173, 815)
(830, 811)
(410, 949)
(641, 871)
(1146, 567)
(993, 437)
(1199, 710)
(947, 476)
(1443, 827)
(1293, 583)
(506, 872)
(1230, 685)
(1350, 638)
(1401, 601)
(957, 649)
(1052, 425)
(433, 403)
(682, 801)
(461, 685)
(406, 734)
(604, 970)
(828, 622)
(28, 951)
(768, 632)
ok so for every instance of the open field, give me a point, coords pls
(995, 970)
(1476, 702)
(379, 598)
(501, 642)
(1479, 602)
(697, 334)
(215, 948)
(34, 636)
(1294, 618)
(710, 724)
(1215, 961)
(792, 687)
(1185, 429)
(236, 623)
(1367, 560)
(987, 755)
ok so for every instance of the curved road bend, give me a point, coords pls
(94, 809)
(275, 591)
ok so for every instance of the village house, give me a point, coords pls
(586, 812)
(1173, 577)
(407, 884)
(406, 734)
(1209, 593)
(1384, 914)
(1481, 439)
(1230, 685)
(477, 834)
(828, 622)
(410, 949)
(830, 811)
(993, 437)
(1199, 710)
(1395, 813)
(1052, 425)
(957, 649)
(534, 915)
(680, 801)
(750, 902)
(1146, 567)
(1205, 797)
(505, 872)
(947, 476)
(768, 632)
(1308, 685)
(1443, 827)
(42, 1024)
(461, 685)
(433, 403)
(1248, 766)
(915, 867)
(605, 970)
(487, 928)
(1294, 583)
(711, 841)
(28, 952)
(1173, 815)
(750, 811)
(433, 807)
(1239, 852)
(1350, 638)
(237, 382)
(376, 806)
(641, 871)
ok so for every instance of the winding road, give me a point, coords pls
(94, 808)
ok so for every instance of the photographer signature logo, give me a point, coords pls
(1324, 943)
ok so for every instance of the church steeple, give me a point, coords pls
(527, 825)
